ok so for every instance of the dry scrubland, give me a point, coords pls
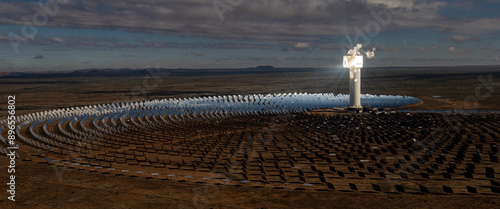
(44, 186)
(48, 91)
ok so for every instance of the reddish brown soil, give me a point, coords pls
(43, 186)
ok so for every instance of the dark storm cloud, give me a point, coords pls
(264, 20)
(38, 57)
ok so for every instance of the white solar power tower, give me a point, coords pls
(354, 63)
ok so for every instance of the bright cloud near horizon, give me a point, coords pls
(60, 35)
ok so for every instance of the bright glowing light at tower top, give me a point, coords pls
(354, 58)
(353, 61)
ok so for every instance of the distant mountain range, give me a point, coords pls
(109, 71)
(201, 72)
(3, 74)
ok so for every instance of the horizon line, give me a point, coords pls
(229, 68)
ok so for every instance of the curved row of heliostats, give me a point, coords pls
(182, 110)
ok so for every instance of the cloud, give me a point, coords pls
(77, 41)
(38, 57)
(476, 26)
(57, 40)
(370, 54)
(455, 50)
(222, 59)
(5, 38)
(250, 20)
(462, 39)
(385, 48)
(426, 48)
(195, 54)
(124, 45)
(116, 42)
(301, 46)
(331, 47)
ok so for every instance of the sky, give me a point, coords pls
(64, 35)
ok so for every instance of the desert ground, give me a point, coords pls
(49, 184)
(37, 92)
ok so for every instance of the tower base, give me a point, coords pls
(355, 109)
